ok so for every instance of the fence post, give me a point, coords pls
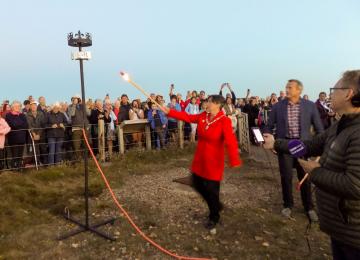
(148, 137)
(244, 140)
(101, 139)
(121, 140)
(181, 134)
(266, 115)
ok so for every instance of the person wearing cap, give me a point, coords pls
(37, 123)
(56, 123)
(78, 119)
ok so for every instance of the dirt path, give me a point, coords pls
(173, 215)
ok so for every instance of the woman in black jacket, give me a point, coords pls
(18, 135)
(56, 122)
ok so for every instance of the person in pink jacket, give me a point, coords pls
(4, 129)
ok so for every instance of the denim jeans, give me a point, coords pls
(55, 149)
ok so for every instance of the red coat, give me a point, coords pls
(210, 152)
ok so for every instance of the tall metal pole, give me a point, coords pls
(86, 165)
(81, 40)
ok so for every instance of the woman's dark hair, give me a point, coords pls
(143, 105)
(173, 97)
(217, 99)
(132, 103)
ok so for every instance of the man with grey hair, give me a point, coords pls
(293, 118)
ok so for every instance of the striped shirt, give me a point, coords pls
(294, 120)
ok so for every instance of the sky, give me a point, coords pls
(198, 44)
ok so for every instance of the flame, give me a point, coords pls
(125, 76)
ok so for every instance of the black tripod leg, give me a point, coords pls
(109, 221)
(100, 233)
(72, 233)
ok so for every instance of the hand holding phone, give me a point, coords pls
(258, 135)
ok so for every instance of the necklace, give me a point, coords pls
(210, 123)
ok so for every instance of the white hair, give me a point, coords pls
(56, 104)
(15, 102)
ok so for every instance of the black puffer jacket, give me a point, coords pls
(338, 179)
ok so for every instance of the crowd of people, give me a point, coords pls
(33, 130)
(55, 133)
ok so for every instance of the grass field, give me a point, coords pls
(172, 214)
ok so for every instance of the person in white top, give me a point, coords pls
(193, 109)
(136, 113)
(231, 112)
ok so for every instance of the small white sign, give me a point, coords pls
(81, 55)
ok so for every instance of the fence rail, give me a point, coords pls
(34, 153)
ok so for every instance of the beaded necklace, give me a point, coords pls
(210, 123)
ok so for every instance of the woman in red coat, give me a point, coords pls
(214, 132)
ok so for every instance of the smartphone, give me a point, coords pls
(258, 135)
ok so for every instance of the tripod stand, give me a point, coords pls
(81, 40)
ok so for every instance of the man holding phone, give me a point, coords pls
(293, 118)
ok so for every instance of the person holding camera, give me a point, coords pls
(337, 174)
(228, 95)
(326, 113)
(78, 120)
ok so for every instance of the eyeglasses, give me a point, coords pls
(332, 90)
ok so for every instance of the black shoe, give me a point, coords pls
(210, 224)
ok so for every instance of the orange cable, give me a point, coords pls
(127, 215)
